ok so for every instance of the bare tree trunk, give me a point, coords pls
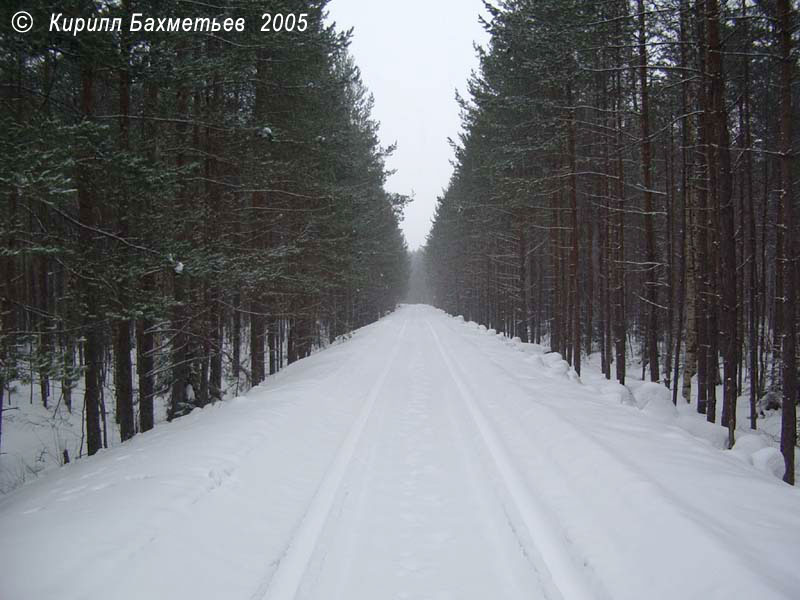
(145, 347)
(123, 370)
(524, 284)
(750, 249)
(123, 375)
(727, 230)
(789, 266)
(145, 342)
(272, 342)
(179, 351)
(669, 153)
(702, 303)
(92, 349)
(647, 178)
(620, 332)
(256, 343)
(236, 335)
(589, 278)
(574, 258)
(687, 292)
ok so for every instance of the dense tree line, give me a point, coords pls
(184, 212)
(626, 184)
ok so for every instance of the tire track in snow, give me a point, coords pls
(550, 540)
(292, 565)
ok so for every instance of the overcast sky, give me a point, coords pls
(413, 54)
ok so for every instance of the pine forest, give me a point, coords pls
(183, 211)
(626, 185)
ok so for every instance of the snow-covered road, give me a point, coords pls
(424, 458)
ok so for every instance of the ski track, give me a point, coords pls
(541, 525)
(286, 579)
(695, 519)
(433, 490)
(422, 459)
(694, 515)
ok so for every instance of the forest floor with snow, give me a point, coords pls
(423, 458)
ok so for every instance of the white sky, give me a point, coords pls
(413, 54)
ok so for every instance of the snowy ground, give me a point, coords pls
(424, 458)
(35, 437)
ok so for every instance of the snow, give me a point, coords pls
(422, 458)
(616, 392)
(655, 400)
(748, 443)
(769, 460)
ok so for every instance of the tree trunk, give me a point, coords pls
(145, 346)
(236, 335)
(180, 321)
(789, 418)
(93, 345)
(647, 178)
(727, 231)
(620, 331)
(123, 386)
(750, 241)
(524, 284)
(123, 371)
(256, 343)
(574, 257)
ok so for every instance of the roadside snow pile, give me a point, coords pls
(617, 393)
(694, 423)
(753, 449)
(555, 364)
(655, 400)
(746, 445)
(770, 461)
(559, 368)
